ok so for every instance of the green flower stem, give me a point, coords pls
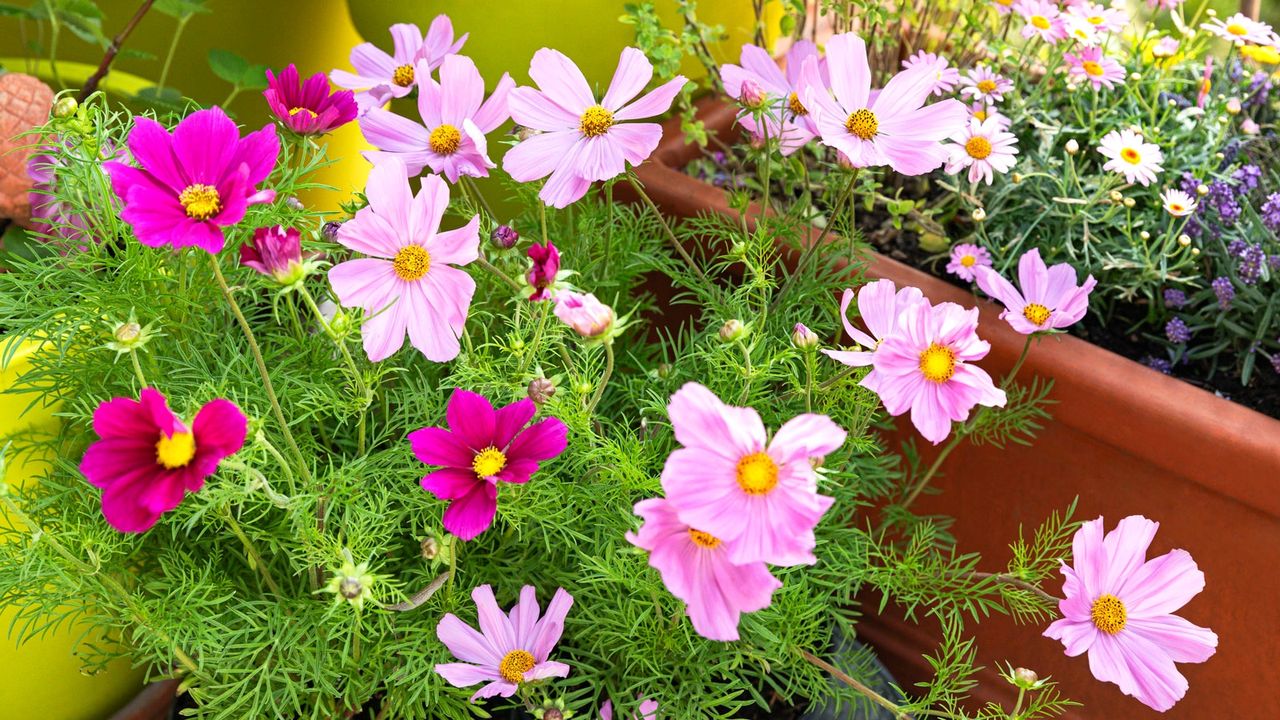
(937, 464)
(482, 262)
(810, 251)
(671, 235)
(255, 558)
(363, 390)
(537, 336)
(137, 368)
(470, 184)
(604, 379)
(1013, 372)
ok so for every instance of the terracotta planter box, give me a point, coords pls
(1126, 440)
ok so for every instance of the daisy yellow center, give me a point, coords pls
(863, 124)
(987, 86)
(309, 112)
(176, 450)
(595, 121)
(403, 76)
(1237, 29)
(704, 539)
(200, 202)
(980, 115)
(1096, 19)
(1108, 614)
(1091, 68)
(411, 263)
(937, 363)
(757, 473)
(1005, 3)
(488, 462)
(1131, 156)
(1036, 313)
(514, 665)
(968, 260)
(1040, 22)
(978, 147)
(444, 140)
(1177, 207)
(796, 107)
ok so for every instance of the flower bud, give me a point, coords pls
(330, 230)
(351, 583)
(541, 390)
(1144, 235)
(1072, 87)
(1116, 196)
(1130, 202)
(589, 317)
(127, 333)
(1195, 251)
(665, 370)
(522, 133)
(732, 331)
(979, 214)
(1018, 177)
(1025, 678)
(804, 338)
(1234, 107)
(1249, 127)
(1184, 240)
(294, 203)
(1202, 189)
(504, 237)
(277, 253)
(430, 547)
(543, 271)
(350, 588)
(65, 107)
(1135, 76)
(1073, 147)
(752, 96)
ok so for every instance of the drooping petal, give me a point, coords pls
(472, 514)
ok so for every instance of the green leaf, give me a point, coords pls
(254, 78)
(83, 19)
(228, 65)
(181, 8)
(7, 10)
(161, 98)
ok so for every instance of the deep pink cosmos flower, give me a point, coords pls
(582, 140)
(879, 305)
(696, 567)
(409, 282)
(1119, 608)
(588, 317)
(147, 459)
(275, 252)
(545, 268)
(966, 258)
(648, 710)
(1050, 298)
(893, 127)
(509, 649)
(758, 495)
(945, 78)
(481, 447)
(787, 120)
(925, 367)
(308, 108)
(194, 182)
(380, 76)
(455, 119)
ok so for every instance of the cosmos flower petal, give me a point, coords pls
(654, 102)
(633, 73)
(1077, 637)
(562, 81)
(850, 73)
(1162, 585)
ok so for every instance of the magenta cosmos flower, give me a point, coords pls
(147, 459)
(966, 258)
(195, 182)
(787, 119)
(984, 147)
(757, 495)
(1091, 65)
(509, 649)
(925, 367)
(581, 140)
(894, 128)
(944, 78)
(380, 76)
(1050, 298)
(275, 252)
(409, 283)
(1119, 608)
(480, 447)
(308, 108)
(455, 119)
(544, 268)
(879, 304)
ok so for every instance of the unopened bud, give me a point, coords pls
(330, 230)
(1073, 147)
(752, 96)
(430, 548)
(1024, 677)
(1116, 196)
(732, 331)
(552, 714)
(1233, 106)
(523, 133)
(293, 203)
(350, 588)
(1184, 240)
(1130, 202)
(979, 214)
(504, 237)
(65, 107)
(1195, 251)
(1202, 189)
(541, 390)
(1135, 76)
(665, 370)
(127, 333)
(804, 338)
(1144, 235)
(1018, 177)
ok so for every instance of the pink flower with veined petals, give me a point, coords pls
(1044, 20)
(589, 317)
(1050, 298)
(966, 258)
(788, 120)
(696, 567)
(509, 649)
(982, 83)
(583, 140)
(481, 447)
(408, 284)
(879, 305)
(926, 367)
(147, 459)
(1093, 66)
(945, 78)
(308, 108)
(193, 183)
(648, 710)
(894, 127)
(455, 118)
(1119, 608)
(542, 273)
(758, 495)
(380, 76)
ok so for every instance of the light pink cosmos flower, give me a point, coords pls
(408, 284)
(984, 147)
(894, 127)
(380, 76)
(1093, 66)
(1240, 29)
(1119, 608)
(589, 317)
(648, 710)
(1102, 18)
(1130, 155)
(1043, 20)
(582, 140)
(1050, 298)
(696, 567)
(759, 496)
(788, 119)
(945, 78)
(879, 305)
(925, 367)
(1164, 4)
(966, 258)
(455, 119)
(509, 649)
(981, 83)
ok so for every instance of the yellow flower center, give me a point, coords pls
(444, 140)
(1040, 21)
(176, 450)
(489, 462)
(987, 86)
(596, 120)
(968, 260)
(403, 76)
(757, 473)
(1108, 614)
(1177, 207)
(703, 539)
(411, 263)
(1006, 3)
(1091, 68)
(200, 202)
(1237, 29)
(937, 363)
(980, 115)
(1036, 313)
(796, 107)
(514, 665)
(1131, 156)
(1096, 19)
(308, 111)
(863, 124)
(978, 147)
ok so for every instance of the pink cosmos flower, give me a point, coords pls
(1240, 29)
(945, 78)
(894, 127)
(1164, 4)
(275, 252)
(788, 119)
(194, 182)
(308, 108)
(981, 83)
(696, 567)
(759, 496)
(380, 76)
(509, 649)
(1044, 20)
(648, 710)
(589, 317)
(984, 147)
(1050, 298)
(583, 140)
(879, 304)
(1119, 608)
(545, 268)
(1093, 66)
(147, 459)
(925, 367)
(455, 119)
(966, 259)
(1165, 47)
(480, 447)
(1130, 155)
(409, 282)
(52, 218)
(1102, 18)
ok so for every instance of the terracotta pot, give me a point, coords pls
(1125, 440)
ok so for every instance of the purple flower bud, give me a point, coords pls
(803, 337)
(1158, 364)
(504, 236)
(1174, 298)
(541, 390)
(330, 230)
(1177, 331)
(1225, 291)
